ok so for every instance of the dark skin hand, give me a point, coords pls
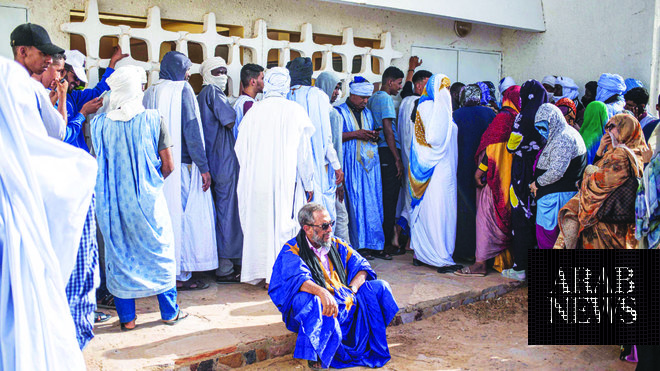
(477, 178)
(361, 134)
(92, 106)
(340, 194)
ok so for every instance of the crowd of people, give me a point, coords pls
(289, 188)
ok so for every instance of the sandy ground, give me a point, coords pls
(490, 335)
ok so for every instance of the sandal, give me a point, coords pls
(382, 255)
(124, 328)
(466, 272)
(179, 317)
(100, 317)
(315, 365)
(366, 254)
(449, 268)
(107, 302)
(191, 285)
(398, 251)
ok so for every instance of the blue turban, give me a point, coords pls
(633, 83)
(174, 66)
(608, 85)
(360, 86)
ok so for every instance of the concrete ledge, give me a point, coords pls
(236, 325)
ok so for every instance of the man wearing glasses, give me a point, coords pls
(317, 273)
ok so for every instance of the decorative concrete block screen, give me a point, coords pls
(92, 30)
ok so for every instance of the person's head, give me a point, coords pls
(610, 87)
(470, 95)
(360, 90)
(54, 72)
(636, 100)
(589, 96)
(455, 93)
(252, 78)
(75, 69)
(277, 82)
(32, 47)
(506, 83)
(624, 129)
(568, 109)
(126, 93)
(175, 66)
(214, 72)
(315, 220)
(532, 96)
(330, 84)
(549, 120)
(301, 70)
(419, 80)
(392, 80)
(549, 82)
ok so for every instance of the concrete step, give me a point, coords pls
(235, 325)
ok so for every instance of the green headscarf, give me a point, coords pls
(595, 118)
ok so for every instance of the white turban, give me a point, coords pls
(549, 80)
(209, 65)
(506, 83)
(569, 88)
(277, 82)
(126, 98)
(361, 87)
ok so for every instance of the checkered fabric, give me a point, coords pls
(80, 291)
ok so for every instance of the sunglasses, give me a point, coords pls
(609, 127)
(324, 226)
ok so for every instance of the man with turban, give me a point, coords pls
(362, 167)
(218, 118)
(549, 83)
(276, 177)
(610, 91)
(134, 157)
(327, 169)
(189, 203)
(330, 83)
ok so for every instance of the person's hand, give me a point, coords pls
(477, 178)
(62, 88)
(116, 56)
(340, 194)
(92, 106)
(647, 155)
(605, 142)
(309, 195)
(53, 95)
(533, 188)
(330, 307)
(206, 181)
(399, 168)
(414, 62)
(339, 176)
(367, 135)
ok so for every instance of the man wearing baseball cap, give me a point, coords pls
(32, 49)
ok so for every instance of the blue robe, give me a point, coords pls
(364, 193)
(130, 206)
(356, 337)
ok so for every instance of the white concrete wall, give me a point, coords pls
(326, 18)
(584, 39)
(518, 14)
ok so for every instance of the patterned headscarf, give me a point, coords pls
(570, 116)
(485, 93)
(470, 95)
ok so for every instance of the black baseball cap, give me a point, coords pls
(30, 34)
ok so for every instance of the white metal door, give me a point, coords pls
(10, 18)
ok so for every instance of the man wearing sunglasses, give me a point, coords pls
(317, 273)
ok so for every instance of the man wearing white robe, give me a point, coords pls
(186, 190)
(276, 174)
(327, 169)
(45, 191)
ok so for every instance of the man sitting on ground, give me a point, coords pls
(316, 273)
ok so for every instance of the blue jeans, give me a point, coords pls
(166, 301)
